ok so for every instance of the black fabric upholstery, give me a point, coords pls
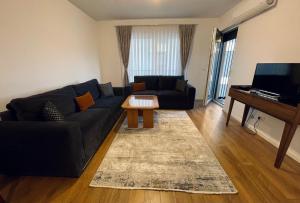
(89, 86)
(171, 93)
(150, 81)
(30, 108)
(91, 122)
(51, 113)
(88, 118)
(168, 82)
(41, 148)
(146, 92)
(172, 99)
(120, 91)
(108, 102)
(7, 116)
(168, 96)
(191, 93)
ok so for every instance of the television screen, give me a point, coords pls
(279, 78)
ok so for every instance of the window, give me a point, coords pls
(154, 50)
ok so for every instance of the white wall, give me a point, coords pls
(269, 37)
(111, 64)
(44, 45)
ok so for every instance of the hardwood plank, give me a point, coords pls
(167, 197)
(152, 196)
(137, 196)
(183, 197)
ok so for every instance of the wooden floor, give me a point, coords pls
(247, 159)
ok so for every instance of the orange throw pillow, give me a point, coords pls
(85, 101)
(138, 86)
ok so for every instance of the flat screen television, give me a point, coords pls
(282, 79)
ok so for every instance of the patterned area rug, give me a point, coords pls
(173, 156)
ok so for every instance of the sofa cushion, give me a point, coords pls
(87, 119)
(146, 92)
(51, 113)
(89, 86)
(30, 108)
(168, 82)
(181, 85)
(107, 90)
(151, 82)
(108, 102)
(138, 86)
(85, 101)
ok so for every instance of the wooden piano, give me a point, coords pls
(287, 113)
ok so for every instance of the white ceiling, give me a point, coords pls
(141, 9)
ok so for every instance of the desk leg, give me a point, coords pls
(229, 111)
(287, 136)
(246, 111)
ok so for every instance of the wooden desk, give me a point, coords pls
(287, 113)
(1, 199)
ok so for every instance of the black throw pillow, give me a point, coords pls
(107, 90)
(51, 113)
(181, 85)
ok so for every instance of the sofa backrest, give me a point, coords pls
(7, 116)
(159, 82)
(89, 86)
(151, 82)
(168, 82)
(30, 108)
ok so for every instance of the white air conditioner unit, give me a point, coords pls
(246, 10)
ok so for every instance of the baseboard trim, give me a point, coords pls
(291, 153)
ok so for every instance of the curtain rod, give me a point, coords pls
(156, 24)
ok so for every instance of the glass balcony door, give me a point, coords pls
(227, 56)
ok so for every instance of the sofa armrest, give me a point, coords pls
(122, 91)
(191, 92)
(41, 148)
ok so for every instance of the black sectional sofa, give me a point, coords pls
(31, 146)
(164, 87)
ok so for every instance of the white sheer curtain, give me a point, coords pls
(154, 50)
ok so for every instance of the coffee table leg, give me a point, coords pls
(148, 118)
(132, 118)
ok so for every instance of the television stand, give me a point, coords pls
(287, 113)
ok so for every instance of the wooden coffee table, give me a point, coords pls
(143, 105)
